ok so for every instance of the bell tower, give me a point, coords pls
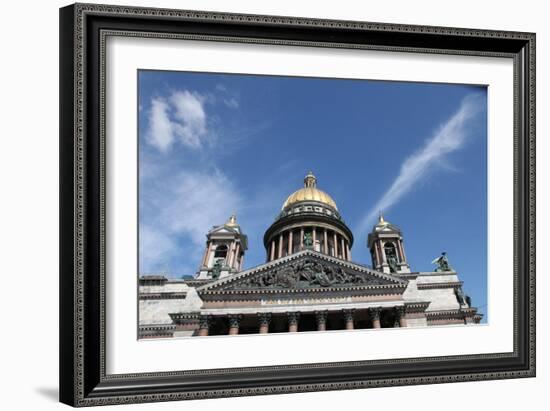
(224, 253)
(385, 243)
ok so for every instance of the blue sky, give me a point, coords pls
(214, 144)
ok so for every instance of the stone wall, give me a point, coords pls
(155, 311)
(440, 298)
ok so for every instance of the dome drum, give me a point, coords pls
(310, 207)
(296, 221)
(291, 240)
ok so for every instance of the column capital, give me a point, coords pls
(374, 312)
(321, 316)
(205, 321)
(293, 318)
(397, 322)
(348, 313)
(348, 318)
(234, 320)
(400, 316)
(400, 311)
(264, 318)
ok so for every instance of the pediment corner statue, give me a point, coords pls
(442, 263)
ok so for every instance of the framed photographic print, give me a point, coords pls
(261, 204)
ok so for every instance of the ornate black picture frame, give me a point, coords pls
(83, 30)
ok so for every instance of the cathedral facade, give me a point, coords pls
(309, 281)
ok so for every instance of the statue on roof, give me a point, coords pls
(392, 262)
(216, 269)
(442, 263)
(308, 239)
(461, 297)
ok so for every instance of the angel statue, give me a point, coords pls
(442, 263)
(216, 269)
(308, 240)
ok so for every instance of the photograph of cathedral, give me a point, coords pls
(311, 269)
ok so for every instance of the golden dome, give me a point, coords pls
(310, 192)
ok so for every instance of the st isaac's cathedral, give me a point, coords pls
(309, 281)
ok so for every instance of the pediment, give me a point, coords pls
(388, 228)
(222, 230)
(304, 271)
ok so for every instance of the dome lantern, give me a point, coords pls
(310, 181)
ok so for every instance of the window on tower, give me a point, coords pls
(221, 252)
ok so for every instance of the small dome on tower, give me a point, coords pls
(310, 192)
(232, 221)
(384, 225)
(381, 221)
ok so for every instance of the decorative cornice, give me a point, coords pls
(434, 273)
(185, 318)
(459, 314)
(383, 289)
(152, 280)
(417, 307)
(198, 283)
(433, 286)
(477, 318)
(162, 296)
(156, 330)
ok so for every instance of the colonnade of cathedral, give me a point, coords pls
(296, 321)
(324, 240)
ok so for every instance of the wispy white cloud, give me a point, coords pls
(182, 117)
(182, 197)
(179, 211)
(449, 137)
(208, 198)
(231, 102)
(190, 117)
(160, 134)
(227, 97)
(179, 117)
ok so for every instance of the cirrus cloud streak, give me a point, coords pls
(448, 138)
